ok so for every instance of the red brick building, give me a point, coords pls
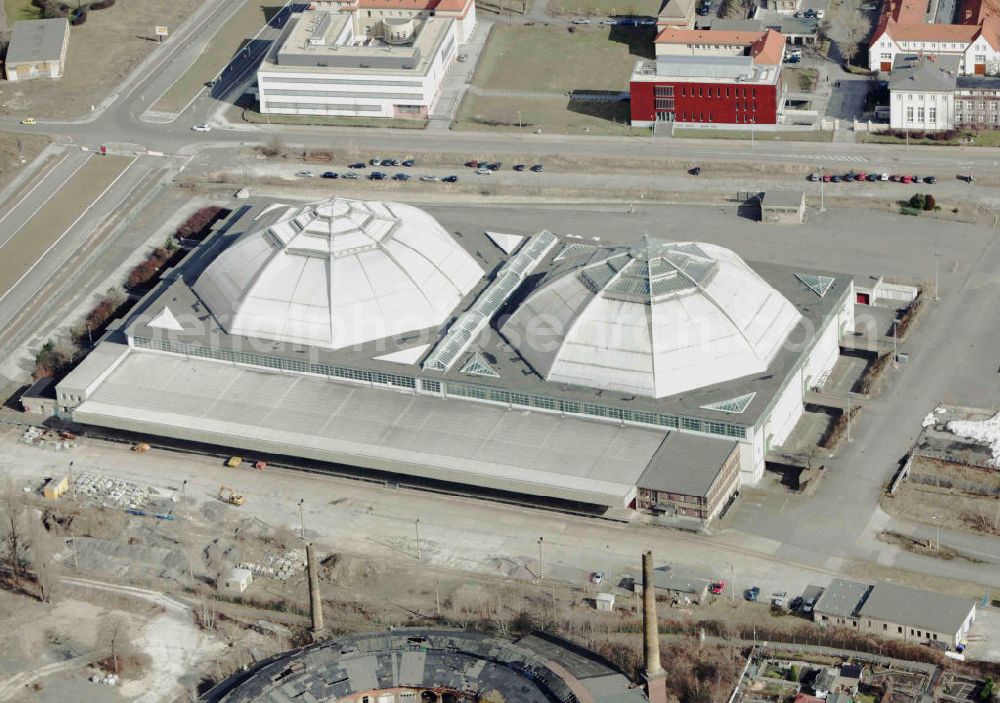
(725, 78)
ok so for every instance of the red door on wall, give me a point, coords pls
(863, 299)
(885, 66)
(980, 69)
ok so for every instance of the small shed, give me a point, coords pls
(236, 582)
(605, 601)
(55, 488)
(783, 206)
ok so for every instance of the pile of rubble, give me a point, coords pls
(109, 680)
(114, 491)
(281, 566)
(47, 439)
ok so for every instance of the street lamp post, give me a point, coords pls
(849, 437)
(895, 340)
(72, 483)
(937, 257)
(937, 533)
(416, 525)
(184, 497)
(541, 567)
(302, 520)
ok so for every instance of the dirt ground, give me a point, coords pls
(11, 153)
(101, 53)
(953, 509)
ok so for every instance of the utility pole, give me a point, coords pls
(937, 256)
(895, 330)
(302, 521)
(849, 437)
(416, 525)
(822, 189)
(541, 567)
(184, 498)
(72, 483)
(437, 595)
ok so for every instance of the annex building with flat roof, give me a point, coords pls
(365, 334)
(37, 49)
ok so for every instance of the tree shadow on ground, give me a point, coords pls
(611, 110)
(640, 40)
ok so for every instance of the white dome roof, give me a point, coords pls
(338, 272)
(655, 320)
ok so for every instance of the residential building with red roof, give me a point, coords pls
(974, 38)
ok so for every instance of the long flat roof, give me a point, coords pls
(917, 608)
(687, 464)
(306, 416)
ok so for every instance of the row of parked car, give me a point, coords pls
(377, 176)
(861, 176)
(484, 168)
(620, 21)
(780, 599)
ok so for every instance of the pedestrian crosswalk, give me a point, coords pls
(828, 157)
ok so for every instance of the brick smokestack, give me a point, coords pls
(656, 689)
(315, 603)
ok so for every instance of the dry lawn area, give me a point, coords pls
(550, 115)
(555, 60)
(20, 10)
(101, 53)
(586, 8)
(10, 154)
(952, 508)
(49, 223)
(227, 42)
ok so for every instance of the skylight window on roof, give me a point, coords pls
(477, 365)
(734, 405)
(816, 283)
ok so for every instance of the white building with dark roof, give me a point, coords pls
(366, 335)
(899, 612)
(37, 49)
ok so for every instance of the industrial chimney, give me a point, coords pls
(315, 603)
(656, 685)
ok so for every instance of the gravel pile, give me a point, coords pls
(113, 491)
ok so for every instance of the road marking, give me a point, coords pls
(33, 188)
(45, 253)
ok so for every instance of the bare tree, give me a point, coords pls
(113, 639)
(14, 532)
(852, 26)
(41, 560)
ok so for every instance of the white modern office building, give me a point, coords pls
(364, 60)
(365, 334)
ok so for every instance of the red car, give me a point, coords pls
(717, 587)
(906, 179)
(860, 176)
(472, 164)
(827, 177)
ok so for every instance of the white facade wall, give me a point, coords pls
(350, 93)
(979, 52)
(925, 111)
(664, 49)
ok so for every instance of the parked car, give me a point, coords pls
(848, 178)
(495, 166)
(717, 587)
(537, 168)
(377, 176)
(917, 179)
(836, 178)
(860, 176)
(793, 59)
(820, 14)
(751, 594)
(483, 171)
(376, 161)
(31, 120)
(703, 11)
(808, 604)
(906, 179)
(201, 127)
(472, 164)
(930, 179)
(609, 22)
(408, 163)
(872, 177)
(696, 171)
(796, 603)
(809, 13)
(359, 164)
(462, 58)
(827, 177)
(597, 577)
(883, 176)
(304, 174)
(401, 177)
(390, 162)
(814, 177)
(778, 599)
(450, 179)
(428, 179)
(581, 20)
(328, 174)
(647, 22)
(350, 175)
(519, 167)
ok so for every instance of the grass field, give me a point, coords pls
(603, 7)
(226, 43)
(552, 59)
(20, 10)
(10, 156)
(801, 79)
(49, 223)
(101, 53)
(758, 135)
(550, 115)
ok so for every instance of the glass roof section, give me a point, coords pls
(733, 405)
(816, 283)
